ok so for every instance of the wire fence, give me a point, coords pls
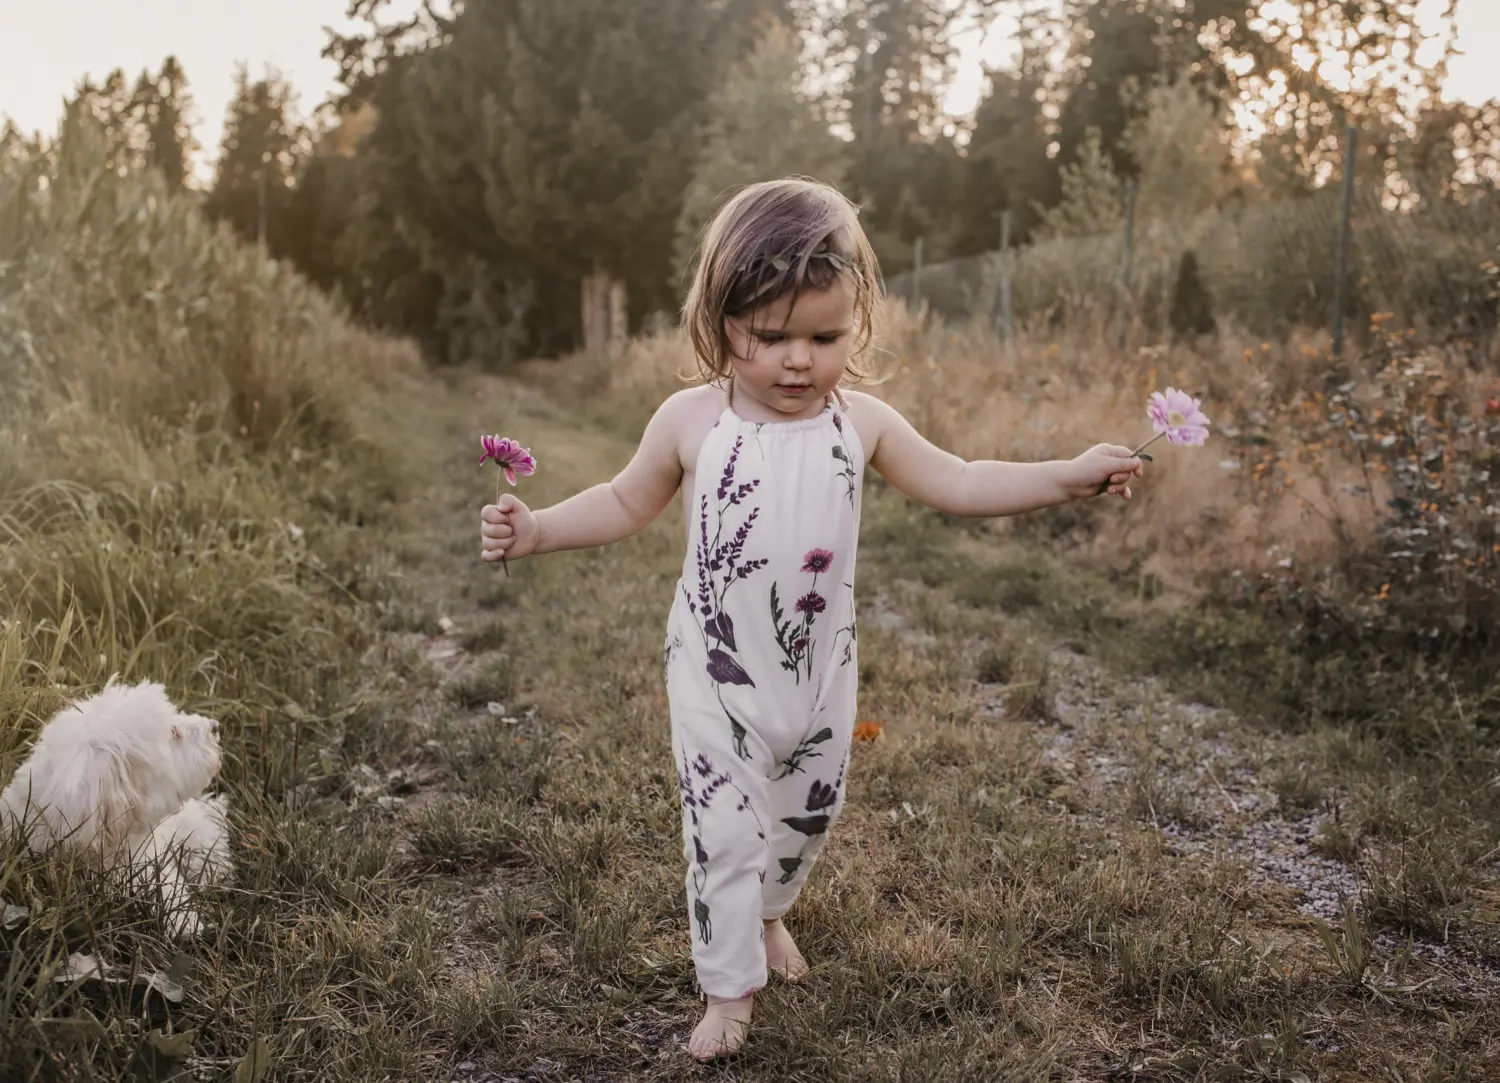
(1267, 269)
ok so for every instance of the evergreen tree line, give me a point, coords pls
(500, 175)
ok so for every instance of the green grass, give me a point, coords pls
(421, 883)
(983, 908)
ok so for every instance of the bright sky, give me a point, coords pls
(49, 45)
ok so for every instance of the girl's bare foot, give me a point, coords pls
(782, 955)
(723, 1030)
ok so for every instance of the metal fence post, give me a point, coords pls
(1346, 212)
(1129, 256)
(916, 275)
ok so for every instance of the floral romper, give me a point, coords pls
(761, 674)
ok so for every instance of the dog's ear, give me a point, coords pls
(119, 798)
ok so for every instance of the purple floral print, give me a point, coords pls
(700, 783)
(721, 563)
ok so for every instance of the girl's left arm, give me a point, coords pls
(984, 488)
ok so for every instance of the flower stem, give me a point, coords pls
(500, 474)
(1104, 485)
(1148, 443)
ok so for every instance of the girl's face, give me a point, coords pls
(788, 359)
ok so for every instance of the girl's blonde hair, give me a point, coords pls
(773, 239)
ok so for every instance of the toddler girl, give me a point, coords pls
(761, 664)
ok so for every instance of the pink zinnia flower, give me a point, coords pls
(512, 459)
(817, 561)
(1178, 416)
(510, 456)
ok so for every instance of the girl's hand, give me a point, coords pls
(1102, 469)
(509, 529)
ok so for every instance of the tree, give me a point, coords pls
(1113, 45)
(1006, 164)
(530, 146)
(1093, 195)
(260, 158)
(162, 106)
(761, 125)
(1180, 142)
(111, 104)
(892, 60)
(1192, 311)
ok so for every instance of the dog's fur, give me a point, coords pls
(120, 776)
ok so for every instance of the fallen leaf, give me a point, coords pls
(177, 1046)
(12, 916)
(159, 1058)
(254, 1065)
(80, 967)
(161, 983)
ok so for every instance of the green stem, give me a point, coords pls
(499, 477)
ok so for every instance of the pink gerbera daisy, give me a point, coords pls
(1179, 417)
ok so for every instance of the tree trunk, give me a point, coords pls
(619, 314)
(606, 318)
(595, 310)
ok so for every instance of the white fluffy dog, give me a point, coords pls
(120, 775)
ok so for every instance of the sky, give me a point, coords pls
(48, 46)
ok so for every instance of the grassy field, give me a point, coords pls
(1104, 830)
(1052, 866)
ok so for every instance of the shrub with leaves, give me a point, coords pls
(1419, 445)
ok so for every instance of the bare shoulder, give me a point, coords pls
(871, 416)
(688, 415)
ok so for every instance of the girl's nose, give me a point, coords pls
(798, 354)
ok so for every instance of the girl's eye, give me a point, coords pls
(826, 340)
(769, 339)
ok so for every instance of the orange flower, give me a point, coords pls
(868, 731)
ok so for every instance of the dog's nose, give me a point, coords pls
(213, 727)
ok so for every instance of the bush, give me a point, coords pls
(1422, 443)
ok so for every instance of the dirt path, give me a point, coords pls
(1047, 870)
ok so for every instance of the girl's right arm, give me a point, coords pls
(607, 513)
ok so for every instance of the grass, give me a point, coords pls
(1041, 872)
(989, 906)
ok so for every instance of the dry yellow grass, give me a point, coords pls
(1198, 510)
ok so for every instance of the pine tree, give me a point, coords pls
(1112, 46)
(162, 104)
(894, 58)
(1093, 195)
(1006, 165)
(761, 126)
(260, 158)
(112, 105)
(1192, 312)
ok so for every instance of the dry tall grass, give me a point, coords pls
(1247, 501)
(188, 452)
